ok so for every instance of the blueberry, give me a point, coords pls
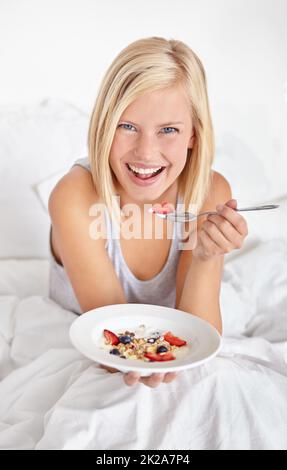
(115, 351)
(125, 339)
(151, 340)
(161, 349)
(155, 335)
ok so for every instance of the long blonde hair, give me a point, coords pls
(145, 65)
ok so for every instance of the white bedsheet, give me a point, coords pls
(51, 397)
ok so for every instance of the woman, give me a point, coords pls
(150, 140)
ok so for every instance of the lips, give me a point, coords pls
(145, 180)
(144, 176)
(143, 165)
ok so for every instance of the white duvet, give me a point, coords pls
(52, 397)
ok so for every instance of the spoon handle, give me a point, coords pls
(259, 208)
(188, 216)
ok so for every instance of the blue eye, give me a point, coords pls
(120, 125)
(174, 128)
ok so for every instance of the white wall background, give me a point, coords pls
(60, 49)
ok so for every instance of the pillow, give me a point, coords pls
(250, 186)
(244, 170)
(24, 277)
(43, 188)
(35, 141)
(253, 292)
(236, 306)
(24, 225)
(262, 225)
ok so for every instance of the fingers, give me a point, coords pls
(131, 378)
(209, 246)
(234, 218)
(232, 203)
(156, 379)
(222, 232)
(152, 381)
(170, 376)
(109, 369)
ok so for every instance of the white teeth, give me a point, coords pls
(142, 170)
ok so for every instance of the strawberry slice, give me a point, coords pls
(111, 337)
(161, 210)
(168, 205)
(159, 357)
(173, 340)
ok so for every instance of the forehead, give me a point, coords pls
(168, 104)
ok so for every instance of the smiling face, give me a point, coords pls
(153, 133)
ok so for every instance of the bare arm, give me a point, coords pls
(199, 282)
(200, 295)
(85, 259)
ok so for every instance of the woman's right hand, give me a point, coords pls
(132, 378)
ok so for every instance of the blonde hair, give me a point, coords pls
(146, 65)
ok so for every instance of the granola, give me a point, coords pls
(154, 346)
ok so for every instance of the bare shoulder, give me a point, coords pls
(78, 243)
(75, 186)
(71, 204)
(220, 192)
(70, 207)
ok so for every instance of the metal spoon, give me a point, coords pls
(178, 216)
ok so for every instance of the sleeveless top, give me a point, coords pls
(159, 290)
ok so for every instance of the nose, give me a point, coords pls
(145, 148)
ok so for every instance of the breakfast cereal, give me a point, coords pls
(144, 344)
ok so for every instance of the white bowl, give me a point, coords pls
(203, 340)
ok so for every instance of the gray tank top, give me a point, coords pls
(159, 290)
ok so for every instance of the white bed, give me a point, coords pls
(51, 397)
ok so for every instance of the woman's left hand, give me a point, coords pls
(152, 381)
(221, 233)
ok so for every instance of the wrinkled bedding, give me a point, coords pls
(52, 397)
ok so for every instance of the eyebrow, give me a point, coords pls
(159, 125)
